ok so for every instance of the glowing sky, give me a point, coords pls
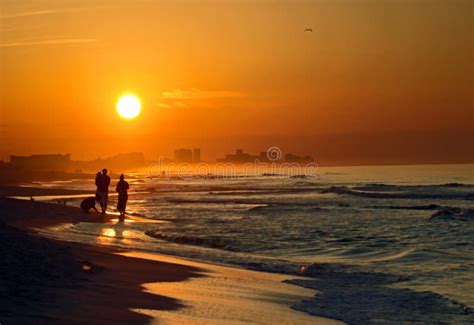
(375, 81)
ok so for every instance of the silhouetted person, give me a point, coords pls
(97, 182)
(102, 182)
(122, 190)
(88, 203)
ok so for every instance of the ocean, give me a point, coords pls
(364, 236)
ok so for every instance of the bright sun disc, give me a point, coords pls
(128, 106)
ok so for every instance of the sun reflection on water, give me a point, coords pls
(114, 236)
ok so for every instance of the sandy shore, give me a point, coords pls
(48, 281)
(228, 295)
(12, 190)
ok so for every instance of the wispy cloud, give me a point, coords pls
(69, 41)
(29, 13)
(180, 104)
(84, 7)
(182, 98)
(171, 104)
(200, 94)
(163, 105)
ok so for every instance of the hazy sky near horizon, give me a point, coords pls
(238, 70)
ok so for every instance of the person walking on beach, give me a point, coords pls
(122, 190)
(102, 181)
(97, 182)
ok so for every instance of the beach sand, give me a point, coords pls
(229, 295)
(48, 281)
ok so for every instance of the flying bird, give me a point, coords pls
(308, 30)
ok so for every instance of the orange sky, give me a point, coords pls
(376, 82)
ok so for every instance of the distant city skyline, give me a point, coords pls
(334, 150)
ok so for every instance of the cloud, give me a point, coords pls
(82, 7)
(29, 13)
(180, 104)
(172, 104)
(196, 98)
(163, 105)
(69, 41)
(194, 93)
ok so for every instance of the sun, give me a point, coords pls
(128, 106)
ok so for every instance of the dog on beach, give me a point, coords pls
(88, 203)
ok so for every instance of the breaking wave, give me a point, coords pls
(205, 241)
(397, 195)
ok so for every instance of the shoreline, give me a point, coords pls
(95, 284)
(336, 291)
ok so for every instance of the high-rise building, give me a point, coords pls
(183, 155)
(197, 155)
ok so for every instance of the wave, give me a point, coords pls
(453, 214)
(211, 201)
(280, 207)
(354, 296)
(446, 213)
(376, 191)
(258, 192)
(344, 190)
(408, 207)
(390, 187)
(395, 256)
(259, 204)
(209, 241)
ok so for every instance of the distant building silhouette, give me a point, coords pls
(61, 163)
(183, 155)
(123, 161)
(291, 158)
(197, 155)
(241, 157)
(61, 167)
(54, 162)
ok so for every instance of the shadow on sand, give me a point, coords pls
(48, 281)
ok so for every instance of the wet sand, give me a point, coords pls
(226, 295)
(11, 190)
(48, 281)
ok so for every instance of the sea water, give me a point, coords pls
(365, 234)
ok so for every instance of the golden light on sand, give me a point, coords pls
(128, 106)
(111, 235)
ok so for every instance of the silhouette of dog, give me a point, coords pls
(88, 203)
